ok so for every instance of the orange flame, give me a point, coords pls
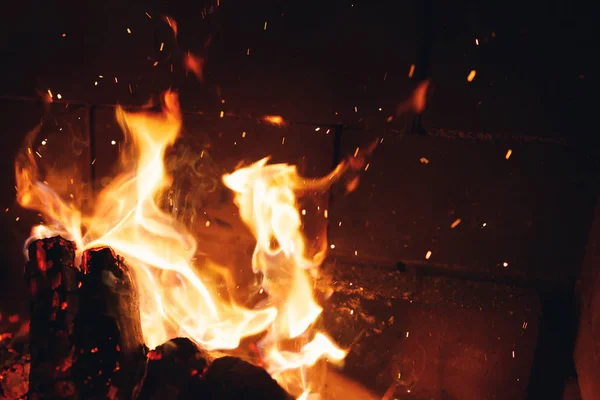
(172, 23)
(175, 299)
(274, 120)
(194, 64)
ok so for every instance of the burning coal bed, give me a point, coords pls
(107, 321)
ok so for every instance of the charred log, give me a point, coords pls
(52, 281)
(110, 353)
(230, 378)
(172, 369)
(180, 370)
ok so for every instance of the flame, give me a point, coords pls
(195, 64)
(172, 24)
(416, 102)
(175, 299)
(274, 120)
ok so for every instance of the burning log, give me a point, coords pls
(86, 338)
(52, 281)
(110, 352)
(172, 369)
(180, 369)
(230, 378)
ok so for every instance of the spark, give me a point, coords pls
(155, 63)
(317, 129)
(513, 354)
(148, 15)
(379, 108)
(283, 140)
(326, 214)
(471, 75)
(428, 255)
(130, 88)
(248, 51)
(265, 26)
(128, 30)
(303, 212)
(243, 134)
(64, 35)
(508, 154)
(455, 223)
(50, 93)
(484, 224)
(339, 224)
(44, 142)
(17, 219)
(222, 114)
(355, 252)
(351, 312)
(356, 151)
(476, 42)
(355, 109)
(162, 46)
(407, 333)
(411, 71)
(113, 142)
(93, 161)
(505, 264)
(332, 246)
(95, 83)
(274, 119)
(116, 80)
(207, 224)
(101, 76)
(38, 154)
(367, 166)
(424, 160)
(58, 96)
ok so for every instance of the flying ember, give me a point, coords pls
(176, 298)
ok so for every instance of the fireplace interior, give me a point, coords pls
(462, 263)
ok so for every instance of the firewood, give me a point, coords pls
(230, 378)
(179, 369)
(52, 281)
(172, 369)
(110, 353)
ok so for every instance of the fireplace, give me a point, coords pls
(433, 263)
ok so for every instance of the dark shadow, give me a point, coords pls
(553, 364)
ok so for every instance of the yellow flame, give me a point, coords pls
(175, 299)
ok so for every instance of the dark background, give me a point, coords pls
(338, 63)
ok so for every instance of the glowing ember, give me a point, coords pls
(455, 223)
(471, 75)
(175, 299)
(274, 119)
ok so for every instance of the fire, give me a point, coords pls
(194, 64)
(175, 298)
(274, 120)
